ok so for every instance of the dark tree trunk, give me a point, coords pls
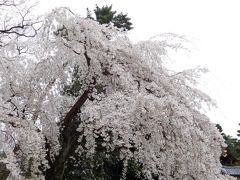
(69, 136)
(3, 171)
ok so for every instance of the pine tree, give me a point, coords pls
(105, 15)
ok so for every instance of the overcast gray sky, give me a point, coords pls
(213, 27)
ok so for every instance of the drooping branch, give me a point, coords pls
(7, 3)
(26, 26)
(15, 30)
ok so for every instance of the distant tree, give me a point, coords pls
(105, 15)
(219, 127)
(231, 154)
(238, 131)
(122, 21)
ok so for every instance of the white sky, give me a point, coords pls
(212, 25)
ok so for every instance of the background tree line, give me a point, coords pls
(231, 154)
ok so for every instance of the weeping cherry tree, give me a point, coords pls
(82, 102)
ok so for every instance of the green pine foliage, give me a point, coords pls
(231, 155)
(105, 15)
(122, 21)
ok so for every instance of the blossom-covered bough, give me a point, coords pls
(84, 102)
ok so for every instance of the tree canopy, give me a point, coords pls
(127, 117)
